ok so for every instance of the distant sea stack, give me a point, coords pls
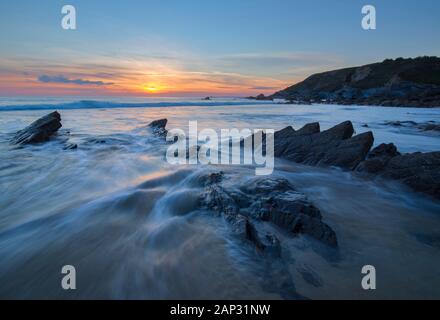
(399, 82)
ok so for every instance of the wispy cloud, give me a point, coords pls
(63, 79)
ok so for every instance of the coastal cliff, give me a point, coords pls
(399, 82)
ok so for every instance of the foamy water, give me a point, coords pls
(129, 223)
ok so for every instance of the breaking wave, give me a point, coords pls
(93, 104)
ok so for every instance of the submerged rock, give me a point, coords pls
(378, 158)
(158, 127)
(40, 130)
(271, 200)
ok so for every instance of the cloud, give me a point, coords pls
(63, 79)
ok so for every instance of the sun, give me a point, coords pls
(151, 89)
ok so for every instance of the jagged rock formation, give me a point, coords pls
(158, 127)
(39, 131)
(400, 82)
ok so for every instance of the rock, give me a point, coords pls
(40, 130)
(70, 146)
(269, 244)
(207, 98)
(211, 178)
(260, 97)
(423, 127)
(431, 127)
(283, 138)
(419, 171)
(349, 153)
(333, 147)
(158, 127)
(271, 200)
(400, 82)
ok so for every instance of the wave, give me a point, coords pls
(92, 104)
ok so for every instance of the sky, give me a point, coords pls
(199, 48)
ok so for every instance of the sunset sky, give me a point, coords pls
(193, 48)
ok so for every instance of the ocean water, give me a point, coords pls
(128, 221)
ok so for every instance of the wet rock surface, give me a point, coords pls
(337, 147)
(39, 131)
(399, 82)
(267, 199)
(158, 128)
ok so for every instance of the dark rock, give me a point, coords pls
(378, 158)
(283, 138)
(268, 199)
(423, 127)
(400, 123)
(269, 244)
(40, 130)
(333, 147)
(260, 97)
(158, 127)
(310, 276)
(431, 127)
(207, 98)
(349, 153)
(420, 171)
(70, 146)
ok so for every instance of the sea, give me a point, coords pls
(128, 221)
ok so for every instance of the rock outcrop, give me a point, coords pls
(39, 131)
(339, 148)
(266, 199)
(423, 127)
(399, 82)
(260, 97)
(158, 127)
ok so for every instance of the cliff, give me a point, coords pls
(399, 82)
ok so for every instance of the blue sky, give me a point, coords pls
(225, 47)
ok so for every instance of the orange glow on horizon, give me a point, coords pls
(138, 80)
